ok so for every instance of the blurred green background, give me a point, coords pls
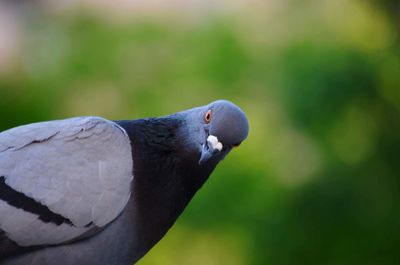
(317, 181)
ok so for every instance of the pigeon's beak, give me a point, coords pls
(210, 149)
(206, 154)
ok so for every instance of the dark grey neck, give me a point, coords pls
(166, 174)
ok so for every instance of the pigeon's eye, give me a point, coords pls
(208, 116)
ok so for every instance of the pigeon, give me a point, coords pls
(88, 190)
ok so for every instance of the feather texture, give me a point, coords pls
(79, 168)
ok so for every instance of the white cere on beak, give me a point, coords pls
(215, 144)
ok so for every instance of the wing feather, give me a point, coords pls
(79, 168)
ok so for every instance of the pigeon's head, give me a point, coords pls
(215, 129)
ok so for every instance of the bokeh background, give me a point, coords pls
(317, 181)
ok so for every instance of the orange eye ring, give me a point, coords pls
(208, 116)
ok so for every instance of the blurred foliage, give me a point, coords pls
(392, 10)
(317, 182)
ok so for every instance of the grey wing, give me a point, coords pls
(60, 179)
